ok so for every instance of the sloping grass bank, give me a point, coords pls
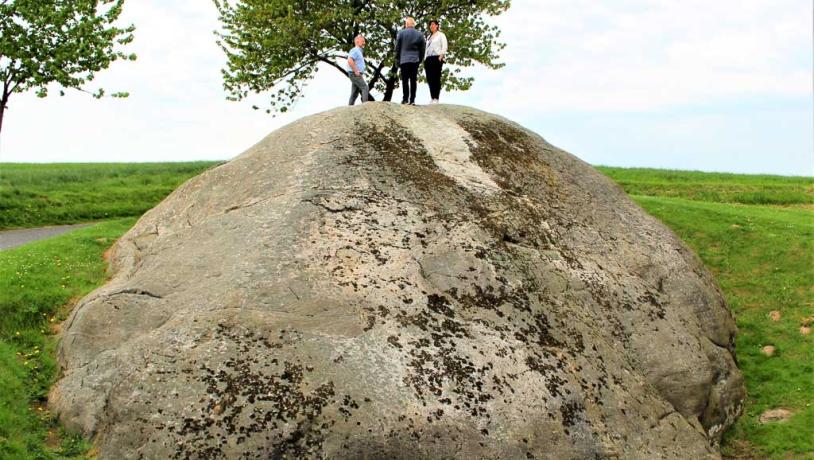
(756, 234)
(36, 282)
(763, 259)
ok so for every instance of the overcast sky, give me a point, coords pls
(720, 85)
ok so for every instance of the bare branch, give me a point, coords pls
(332, 64)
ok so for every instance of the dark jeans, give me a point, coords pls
(433, 67)
(409, 81)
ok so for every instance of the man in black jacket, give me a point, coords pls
(410, 46)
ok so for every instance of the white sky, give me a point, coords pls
(686, 84)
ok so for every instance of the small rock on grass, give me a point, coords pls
(805, 330)
(768, 350)
(775, 415)
(774, 315)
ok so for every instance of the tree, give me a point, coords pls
(279, 45)
(58, 41)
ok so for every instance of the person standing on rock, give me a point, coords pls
(434, 63)
(356, 70)
(410, 47)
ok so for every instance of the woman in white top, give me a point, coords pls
(434, 62)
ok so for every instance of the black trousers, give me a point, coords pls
(409, 81)
(433, 67)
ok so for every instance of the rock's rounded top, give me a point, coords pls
(396, 281)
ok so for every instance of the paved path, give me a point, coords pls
(13, 238)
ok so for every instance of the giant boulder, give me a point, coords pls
(383, 281)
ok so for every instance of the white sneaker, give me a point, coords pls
(434, 101)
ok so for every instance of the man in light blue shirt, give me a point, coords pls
(356, 70)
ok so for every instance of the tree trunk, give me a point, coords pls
(3, 102)
(7, 90)
(391, 86)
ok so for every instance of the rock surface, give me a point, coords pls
(387, 281)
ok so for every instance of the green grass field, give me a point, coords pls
(755, 233)
(715, 187)
(33, 195)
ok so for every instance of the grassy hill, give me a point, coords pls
(34, 195)
(755, 233)
(715, 187)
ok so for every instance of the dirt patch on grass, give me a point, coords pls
(106, 254)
